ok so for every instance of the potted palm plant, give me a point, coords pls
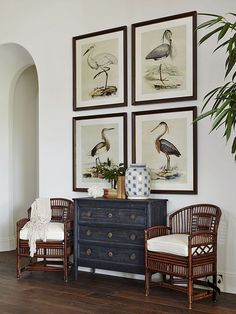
(222, 98)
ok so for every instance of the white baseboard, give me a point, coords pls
(227, 284)
(7, 244)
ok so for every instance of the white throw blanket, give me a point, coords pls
(38, 224)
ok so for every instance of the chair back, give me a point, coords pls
(62, 209)
(193, 218)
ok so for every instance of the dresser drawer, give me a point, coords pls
(108, 234)
(129, 216)
(111, 254)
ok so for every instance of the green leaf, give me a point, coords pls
(220, 109)
(223, 31)
(233, 26)
(207, 36)
(204, 115)
(228, 124)
(220, 46)
(233, 150)
(209, 14)
(212, 92)
(206, 24)
(210, 95)
(219, 119)
(230, 45)
(230, 62)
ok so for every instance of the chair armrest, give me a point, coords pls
(68, 228)
(20, 223)
(69, 224)
(156, 231)
(202, 237)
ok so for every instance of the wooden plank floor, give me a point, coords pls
(46, 293)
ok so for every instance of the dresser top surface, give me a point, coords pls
(99, 199)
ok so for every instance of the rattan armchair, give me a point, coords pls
(185, 252)
(54, 254)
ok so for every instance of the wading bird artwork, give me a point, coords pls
(162, 51)
(164, 146)
(102, 146)
(101, 62)
(163, 74)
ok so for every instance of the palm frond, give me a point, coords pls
(222, 98)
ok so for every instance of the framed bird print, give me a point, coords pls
(166, 141)
(100, 69)
(97, 140)
(164, 59)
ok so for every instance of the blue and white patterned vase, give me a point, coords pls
(137, 181)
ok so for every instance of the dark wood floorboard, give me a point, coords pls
(46, 293)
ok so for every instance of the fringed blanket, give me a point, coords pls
(38, 224)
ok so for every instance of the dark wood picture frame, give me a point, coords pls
(110, 129)
(164, 59)
(173, 159)
(100, 69)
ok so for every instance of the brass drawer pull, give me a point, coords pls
(109, 235)
(88, 233)
(133, 257)
(132, 216)
(109, 215)
(110, 254)
(88, 252)
(132, 236)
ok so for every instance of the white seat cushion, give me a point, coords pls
(55, 232)
(173, 244)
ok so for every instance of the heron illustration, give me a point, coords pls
(100, 62)
(102, 146)
(164, 146)
(162, 51)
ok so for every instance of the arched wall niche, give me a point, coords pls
(18, 138)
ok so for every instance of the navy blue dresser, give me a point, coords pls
(108, 233)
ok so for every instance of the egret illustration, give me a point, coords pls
(162, 51)
(164, 146)
(102, 146)
(101, 63)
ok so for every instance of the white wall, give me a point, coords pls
(45, 29)
(13, 60)
(25, 143)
